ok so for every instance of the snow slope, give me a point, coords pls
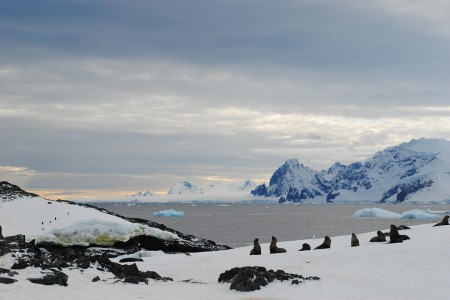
(62, 223)
(415, 269)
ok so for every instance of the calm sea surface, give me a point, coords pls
(237, 225)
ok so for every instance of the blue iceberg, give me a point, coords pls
(419, 215)
(169, 213)
(375, 213)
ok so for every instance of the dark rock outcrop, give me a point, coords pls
(247, 279)
(131, 259)
(56, 277)
(260, 190)
(10, 191)
(7, 280)
(129, 271)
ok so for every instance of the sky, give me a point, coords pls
(107, 97)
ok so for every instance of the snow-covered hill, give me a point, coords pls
(417, 171)
(70, 224)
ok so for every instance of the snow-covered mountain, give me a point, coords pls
(416, 171)
(148, 193)
(229, 187)
(187, 188)
(184, 188)
(187, 191)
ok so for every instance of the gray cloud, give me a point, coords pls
(113, 95)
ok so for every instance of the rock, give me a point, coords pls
(151, 275)
(130, 259)
(248, 279)
(135, 280)
(129, 271)
(95, 279)
(21, 263)
(9, 272)
(69, 254)
(4, 271)
(165, 279)
(83, 262)
(10, 191)
(57, 277)
(7, 280)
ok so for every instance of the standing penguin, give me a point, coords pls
(256, 248)
(355, 241)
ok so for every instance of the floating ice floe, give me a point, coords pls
(169, 213)
(419, 214)
(375, 213)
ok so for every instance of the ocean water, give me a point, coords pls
(237, 225)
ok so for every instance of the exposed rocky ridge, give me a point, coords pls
(10, 191)
(394, 175)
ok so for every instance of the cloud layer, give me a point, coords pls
(118, 96)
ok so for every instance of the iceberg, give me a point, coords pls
(169, 213)
(375, 213)
(419, 214)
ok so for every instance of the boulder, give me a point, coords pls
(130, 259)
(56, 277)
(248, 279)
(7, 280)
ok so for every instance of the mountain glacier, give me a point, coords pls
(416, 171)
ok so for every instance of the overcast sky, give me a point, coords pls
(112, 97)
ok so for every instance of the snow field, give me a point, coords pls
(414, 269)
